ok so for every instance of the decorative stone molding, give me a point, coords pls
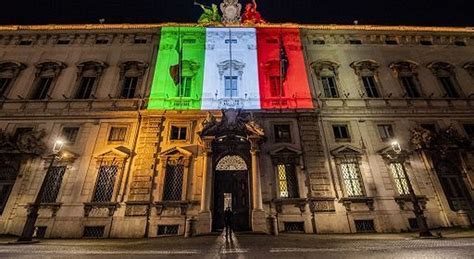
(236, 66)
(29, 143)
(299, 203)
(97, 67)
(13, 68)
(438, 66)
(360, 66)
(319, 66)
(49, 66)
(231, 10)
(136, 208)
(322, 204)
(138, 67)
(469, 66)
(286, 154)
(110, 206)
(347, 151)
(404, 66)
(348, 201)
(162, 205)
(54, 207)
(441, 141)
(404, 199)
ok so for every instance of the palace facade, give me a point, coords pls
(290, 125)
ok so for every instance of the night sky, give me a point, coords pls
(381, 12)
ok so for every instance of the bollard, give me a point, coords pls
(273, 225)
(189, 228)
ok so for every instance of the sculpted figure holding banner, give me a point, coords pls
(251, 15)
(210, 15)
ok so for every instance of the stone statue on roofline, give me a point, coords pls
(210, 15)
(251, 15)
(231, 10)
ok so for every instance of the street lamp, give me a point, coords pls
(29, 228)
(420, 217)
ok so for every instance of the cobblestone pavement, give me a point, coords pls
(249, 246)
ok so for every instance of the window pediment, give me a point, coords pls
(320, 66)
(95, 67)
(176, 152)
(404, 66)
(118, 153)
(347, 151)
(440, 67)
(360, 66)
(11, 67)
(134, 66)
(49, 67)
(225, 66)
(286, 154)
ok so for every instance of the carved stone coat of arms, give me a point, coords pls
(231, 10)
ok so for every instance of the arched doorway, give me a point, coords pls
(231, 189)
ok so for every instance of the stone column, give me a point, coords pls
(205, 219)
(258, 215)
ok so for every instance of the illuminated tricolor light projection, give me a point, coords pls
(222, 68)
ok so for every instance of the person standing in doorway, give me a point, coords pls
(228, 215)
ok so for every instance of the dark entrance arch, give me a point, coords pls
(231, 164)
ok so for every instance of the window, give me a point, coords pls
(93, 232)
(230, 86)
(364, 225)
(469, 129)
(117, 133)
(4, 84)
(8, 176)
(355, 42)
(167, 230)
(287, 181)
(399, 178)
(42, 88)
(21, 131)
(341, 132)
(129, 87)
(386, 132)
(276, 86)
(52, 184)
(63, 42)
(460, 43)
(173, 185)
(410, 86)
(329, 86)
(178, 133)
(319, 42)
(282, 133)
(370, 86)
(25, 42)
(391, 42)
(140, 40)
(351, 177)
(105, 185)
(184, 89)
(102, 41)
(69, 134)
(85, 88)
(426, 42)
(448, 86)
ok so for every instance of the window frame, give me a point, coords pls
(118, 126)
(384, 126)
(189, 125)
(63, 137)
(348, 131)
(360, 179)
(290, 133)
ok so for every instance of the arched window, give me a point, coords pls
(88, 77)
(407, 74)
(46, 76)
(131, 77)
(446, 76)
(326, 73)
(9, 72)
(366, 70)
(231, 163)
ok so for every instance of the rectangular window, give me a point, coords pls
(410, 86)
(230, 86)
(25, 42)
(426, 42)
(4, 84)
(164, 230)
(117, 133)
(287, 181)
(319, 42)
(42, 88)
(85, 88)
(341, 132)
(399, 178)
(93, 232)
(105, 185)
(329, 86)
(448, 86)
(386, 132)
(173, 186)
(129, 87)
(282, 133)
(184, 89)
(355, 42)
(140, 40)
(364, 225)
(178, 133)
(69, 134)
(370, 86)
(8, 176)
(351, 177)
(460, 43)
(101, 41)
(21, 131)
(52, 184)
(63, 42)
(391, 42)
(276, 86)
(469, 129)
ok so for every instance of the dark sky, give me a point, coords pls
(383, 12)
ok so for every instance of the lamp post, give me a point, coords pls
(29, 228)
(418, 211)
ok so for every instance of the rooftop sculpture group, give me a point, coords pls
(231, 13)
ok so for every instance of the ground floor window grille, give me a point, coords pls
(52, 184)
(173, 187)
(287, 181)
(167, 230)
(351, 177)
(365, 225)
(94, 232)
(105, 182)
(7, 180)
(294, 226)
(399, 178)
